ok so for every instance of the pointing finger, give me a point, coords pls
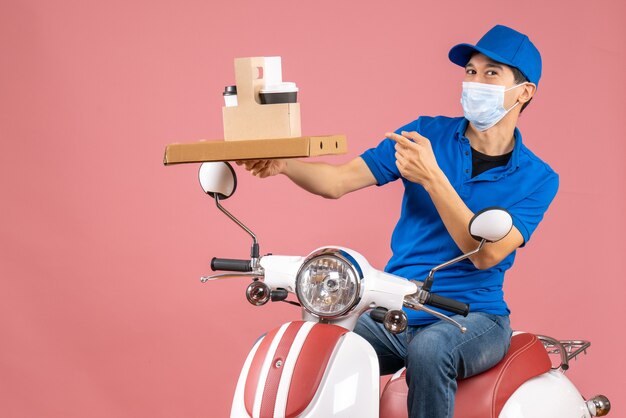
(417, 138)
(399, 139)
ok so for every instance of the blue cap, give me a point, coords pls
(506, 46)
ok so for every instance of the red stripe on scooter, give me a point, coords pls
(273, 378)
(254, 372)
(311, 365)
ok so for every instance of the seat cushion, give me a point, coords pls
(483, 395)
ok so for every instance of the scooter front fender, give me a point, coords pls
(309, 370)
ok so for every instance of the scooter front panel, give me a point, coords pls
(295, 352)
(311, 366)
(259, 369)
(276, 353)
(351, 382)
(239, 408)
(276, 366)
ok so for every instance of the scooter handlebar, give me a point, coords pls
(230, 264)
(447, 304)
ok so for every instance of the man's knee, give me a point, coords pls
(430, 351)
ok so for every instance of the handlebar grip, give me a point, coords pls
(230, 264)
(378, 314)
(447, 304)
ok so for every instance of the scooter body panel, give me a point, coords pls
(238, 409)
(320, 376)
(350, 387)
(550, 395)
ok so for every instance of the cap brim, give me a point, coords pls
(461, 54)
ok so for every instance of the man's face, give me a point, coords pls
(482, 69)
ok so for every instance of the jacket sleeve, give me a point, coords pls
(381, 160)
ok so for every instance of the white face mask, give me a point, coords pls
(483, 104)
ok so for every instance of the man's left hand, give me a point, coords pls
(415, 159)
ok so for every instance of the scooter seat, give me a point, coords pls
(483, 395)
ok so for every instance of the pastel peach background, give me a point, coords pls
(101, 310)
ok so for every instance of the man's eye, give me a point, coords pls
(470, 71)
(491, 72)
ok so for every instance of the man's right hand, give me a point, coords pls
(264, 168)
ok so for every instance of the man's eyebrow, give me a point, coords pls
(494, 65)
(491, 64)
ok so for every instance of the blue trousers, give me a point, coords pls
(436, 355)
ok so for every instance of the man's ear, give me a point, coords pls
(528, 92)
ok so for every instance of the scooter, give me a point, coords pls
(318, 367)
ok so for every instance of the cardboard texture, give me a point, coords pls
(202, 151)
(252, 120)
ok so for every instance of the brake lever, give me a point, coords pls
(257, 274)
(414, 304)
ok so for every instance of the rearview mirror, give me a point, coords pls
(491, 224)
(218, 178)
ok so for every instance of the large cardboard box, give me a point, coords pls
(307, 146)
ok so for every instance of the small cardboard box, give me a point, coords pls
(307, 146)
(252, 120)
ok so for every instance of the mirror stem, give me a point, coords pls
(254, 252)
(429, 280)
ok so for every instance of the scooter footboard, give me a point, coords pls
(307, 369)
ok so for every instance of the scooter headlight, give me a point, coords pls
(329, 283)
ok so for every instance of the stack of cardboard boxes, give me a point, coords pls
(253, 130)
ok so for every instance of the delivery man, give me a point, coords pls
(451, 167)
